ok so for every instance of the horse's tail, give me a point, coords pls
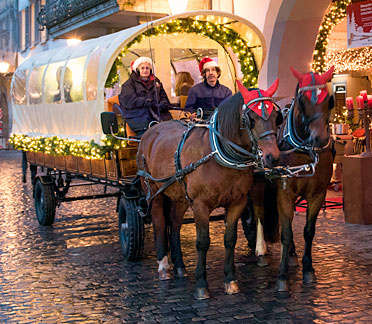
(271, 218)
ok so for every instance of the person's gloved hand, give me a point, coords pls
(163, 106)
(149, 103)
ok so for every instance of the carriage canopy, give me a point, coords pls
(61, 92)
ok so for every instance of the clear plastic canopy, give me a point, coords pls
(61, 92)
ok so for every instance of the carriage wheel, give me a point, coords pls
(45, 203)
(131, 229)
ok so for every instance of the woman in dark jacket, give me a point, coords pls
(142, 97)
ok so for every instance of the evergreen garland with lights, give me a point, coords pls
(336, 14)
(219, 33)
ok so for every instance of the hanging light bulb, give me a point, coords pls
(4, 67)
(177, 6)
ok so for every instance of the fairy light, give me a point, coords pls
(61, 146)
(350, 60)
(336, 14)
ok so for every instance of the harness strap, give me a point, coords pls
(180, 174)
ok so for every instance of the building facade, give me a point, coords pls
(290, 29)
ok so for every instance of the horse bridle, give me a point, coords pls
(246, 118)
(290, 133)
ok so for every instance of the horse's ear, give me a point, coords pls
(273, 88)
(244, 91)
(328, 75)
(296, 74)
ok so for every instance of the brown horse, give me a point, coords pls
(206, 166)
(304, 141)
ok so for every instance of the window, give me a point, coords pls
(19, 87)
(22, 30)
(73, 79)
(52, 83)
(35, 85)
(92, 72)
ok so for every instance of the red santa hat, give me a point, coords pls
(131, 66)
(206, 62)
(139, 61)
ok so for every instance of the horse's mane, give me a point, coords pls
(229, 114)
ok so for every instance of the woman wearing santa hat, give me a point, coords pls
(142, 97)
(209, 93)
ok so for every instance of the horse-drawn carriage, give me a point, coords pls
(59, 95)
(58, 101)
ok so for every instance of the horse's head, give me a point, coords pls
(312, 107)
(262, 119)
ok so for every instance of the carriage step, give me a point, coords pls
(212, 218)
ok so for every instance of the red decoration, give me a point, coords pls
(349, 103)
(363, 93)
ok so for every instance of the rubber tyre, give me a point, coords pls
(45, 203)
(131, 229)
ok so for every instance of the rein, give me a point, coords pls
(236, 158)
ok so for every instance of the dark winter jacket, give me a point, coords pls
(139, 101)
(204, 96)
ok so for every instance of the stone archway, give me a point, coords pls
(290, 30)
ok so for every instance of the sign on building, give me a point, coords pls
(359, 24)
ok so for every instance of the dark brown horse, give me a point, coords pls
(206, 166)
(304, 141)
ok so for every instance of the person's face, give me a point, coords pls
(211, 75)
(144, 70)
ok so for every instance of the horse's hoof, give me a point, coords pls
(262, 261)
(180, 272)
(231, 287)
(202, 293)
(293, 261)
(309, 277)
(165, 274)
(282, 285)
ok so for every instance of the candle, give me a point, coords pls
(369, 101)
(349, 103)
(360, 102)
(363, 93)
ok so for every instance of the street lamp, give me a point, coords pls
(177, 6)
(4, 67)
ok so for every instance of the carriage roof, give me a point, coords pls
(37, 81)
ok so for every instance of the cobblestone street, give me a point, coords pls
(74, 272)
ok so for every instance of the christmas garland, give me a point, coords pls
(219, 33)
(336, 14)
(61, 146)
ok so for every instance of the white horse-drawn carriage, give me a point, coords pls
(59, 95)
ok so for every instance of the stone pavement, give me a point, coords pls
(73, 271)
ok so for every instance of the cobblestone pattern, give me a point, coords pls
(73, 271)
